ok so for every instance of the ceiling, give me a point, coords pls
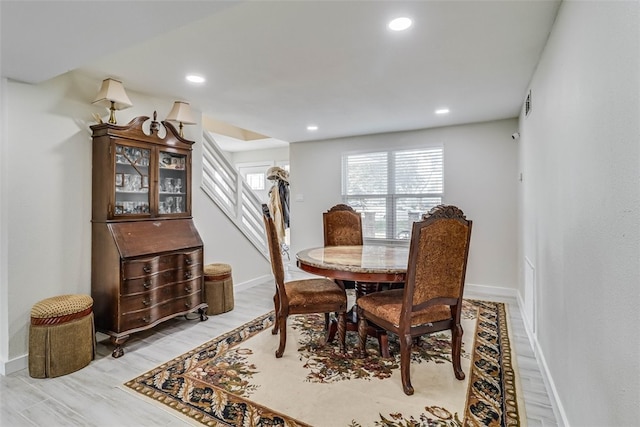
(274, 67)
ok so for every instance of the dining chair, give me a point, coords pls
(303, 296)
(342, 226)
(431, 299)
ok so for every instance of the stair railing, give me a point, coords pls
(222, 182)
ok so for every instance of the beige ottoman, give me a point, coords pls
(218, 288)
(61, 336)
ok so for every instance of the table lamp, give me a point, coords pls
(113, 96)
(181, 113)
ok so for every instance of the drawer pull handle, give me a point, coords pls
(187, 288)
(146, 302)
(146, 269)
(187, 261)
(187, 275)
(146, 285)
(187, 304)
(146, 319)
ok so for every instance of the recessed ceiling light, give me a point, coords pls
(400, 24)
(442, 111)
(193, 78)
(312, 127)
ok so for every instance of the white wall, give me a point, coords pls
(4, 227)
(280, 154)
(480, 163)
(45, 204)
(48, 198)
(580, 210)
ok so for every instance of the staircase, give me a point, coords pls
(225, 186)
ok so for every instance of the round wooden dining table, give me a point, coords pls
(371, 266)
(369, 263)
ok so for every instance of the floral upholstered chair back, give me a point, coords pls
(438, 258)
(342, 226)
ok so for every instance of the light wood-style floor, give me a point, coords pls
(94, 396)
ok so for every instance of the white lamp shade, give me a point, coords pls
(112, 91)
(181, 112)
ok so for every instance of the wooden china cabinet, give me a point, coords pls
(147, 256)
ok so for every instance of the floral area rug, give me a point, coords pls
(236, 379)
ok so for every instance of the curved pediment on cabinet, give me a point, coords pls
(146, 129)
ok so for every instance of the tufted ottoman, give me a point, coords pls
(61, 335)
(218, 288)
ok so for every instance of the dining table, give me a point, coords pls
(372, 266)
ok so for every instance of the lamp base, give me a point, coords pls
(112, 115)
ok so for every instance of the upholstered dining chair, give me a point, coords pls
(342, 226)
(303, 296)
(431, 299)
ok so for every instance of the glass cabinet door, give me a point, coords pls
(172, 183)
(131, 180)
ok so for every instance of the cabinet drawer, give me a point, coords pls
(146, 300)
(159, 295)
(152, 281)
(191, 258)
(149, 282)
(145, 317)
(148, 266)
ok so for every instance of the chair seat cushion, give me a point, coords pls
(314, 292)
(388, 304)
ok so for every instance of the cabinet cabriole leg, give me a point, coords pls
(118, 342)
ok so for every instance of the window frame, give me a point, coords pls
(391, 198)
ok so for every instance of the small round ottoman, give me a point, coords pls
(218, 288)
(61, 335)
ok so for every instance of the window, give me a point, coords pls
(392, 189)
(255, 180)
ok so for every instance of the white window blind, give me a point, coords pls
(392, 189)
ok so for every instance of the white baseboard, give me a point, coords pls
(253, 282)
(13, 365)
(556, 403)
(490, 292)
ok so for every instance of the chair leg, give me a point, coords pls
(405, 363)
(276, 304)
(330, 331)
(329, 327)
(362, 333)
(456, 348)
(383, 343)
(342, 330)
(282, 321)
